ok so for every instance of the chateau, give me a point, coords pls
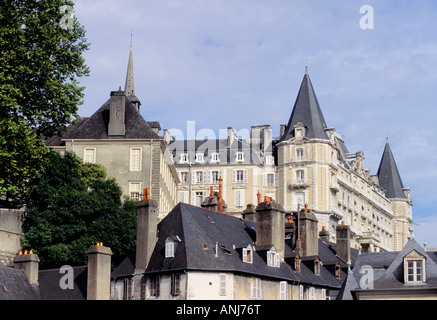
(309, 164)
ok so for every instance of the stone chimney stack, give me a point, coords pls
(99, 273)
(270, 225)
(147, 228)
(117, 108)
(29, 263)
(343, 234)
(308, 234)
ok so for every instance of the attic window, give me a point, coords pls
(169, 249)
(273, 259)
(240, 156)
(184, 158)
(199, 157)
(414, 268)
(248, 255)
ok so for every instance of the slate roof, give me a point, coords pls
(200, 231)
(50, 289)
(14, 285)
(388, 175)
(388, 270)
(96, 126)
(307, 111)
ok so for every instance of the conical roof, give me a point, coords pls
(129, 89)
(388, 175)
(306, 111)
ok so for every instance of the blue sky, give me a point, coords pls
(238, 63)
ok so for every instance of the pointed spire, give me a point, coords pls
(306, 111)
(129, 88)
(388, 175)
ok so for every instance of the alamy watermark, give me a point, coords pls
(367, 279)
(67, 20)
(367, 21)
(67, 281)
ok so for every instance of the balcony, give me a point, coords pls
(299, 183)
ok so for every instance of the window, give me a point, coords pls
(299, 133)
(184, 176)
(324, 294)
(240, 198)
(176, 284)
(169, 249)
(215, 157)
(273, 259)
(239, 176)
(199, 157)
(183, 196)
(283, 290)
(248, 255)
(301, 292)
(222, 284)
(270, 179)
(135, 159)
(256, 288)
(89, 155)
(337, 270)
(312, 294)
(198, 177)
(143, 288)
(270, 160)
(215, 177)
(415, 270)
(198, 198)
(155, 286)
(127, 289)
(300, 174)
(239, 156)
(184, 158)
(135, 190)
(299, 154)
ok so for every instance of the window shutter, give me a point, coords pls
(222, 284)
(276, 179)
(300, 292)
(245, 176)
(193, 178)
(269, 259)
(244, 255)
(234, 176)
(265, 179)
(278, 260)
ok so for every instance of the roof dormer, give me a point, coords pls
(414, 268)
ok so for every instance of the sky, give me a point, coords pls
(239, 63)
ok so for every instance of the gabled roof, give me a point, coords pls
(306, 111)
(388, 175)
(96, 126)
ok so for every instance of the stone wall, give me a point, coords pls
(11, 232)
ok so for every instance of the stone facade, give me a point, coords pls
(11, 232)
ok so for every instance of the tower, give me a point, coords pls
(401, 204)
(129, 89)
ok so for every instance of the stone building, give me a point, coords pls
(197, 253)
(129, 147)
(308, 163)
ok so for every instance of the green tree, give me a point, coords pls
(40, 64)
(74, 206)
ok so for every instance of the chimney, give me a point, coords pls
(147, 227)
(343, 234)
(116, 126)
(324, 234)
(211, 202)
(99, 273)
(249, 213)
(308, 234)
(267, 140)
(220, 196)
(29, 263)
(270, 226)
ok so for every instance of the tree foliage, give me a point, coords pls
(74, 206)
(40, 64)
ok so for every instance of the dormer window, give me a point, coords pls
(414, 268)
(273, 259)
(169, 249)
(184, 158)
(199, 158)
(170, 246)
(215, 157)
(248, 254)
(239, 156)
(270, 161)
(337, 270)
